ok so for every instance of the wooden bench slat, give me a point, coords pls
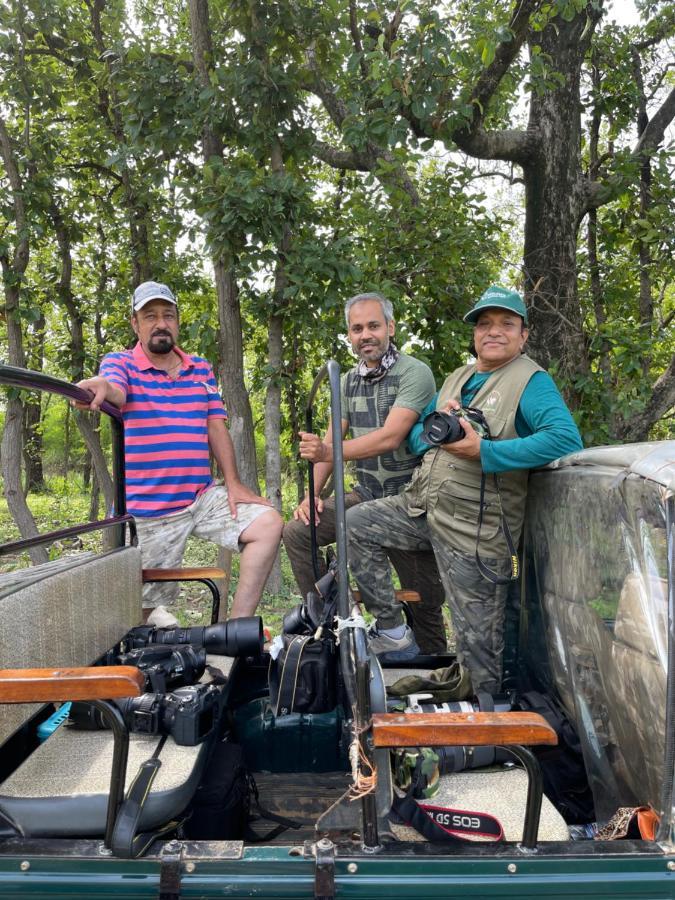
(182, 574)
(477, 729)
(86, 683)
(401, 596)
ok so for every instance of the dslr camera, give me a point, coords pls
(188, 714)
(444, 427)
(166, 667)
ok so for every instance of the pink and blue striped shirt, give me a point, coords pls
(165, 429)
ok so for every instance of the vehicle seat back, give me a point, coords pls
(65, 613)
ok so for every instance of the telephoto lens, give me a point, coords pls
(481, 702)
(236, 637)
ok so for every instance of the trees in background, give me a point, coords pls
(269, 159)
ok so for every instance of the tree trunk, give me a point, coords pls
(644, 251)
(32, 411)
(10, 453)
(275, 351)
(230, 346)
(555, 200)
(231, 371)
(34, 479)
(109, 106)
(12, 272)
(88, 423)
(297, 422)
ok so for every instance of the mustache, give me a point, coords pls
(161, 334)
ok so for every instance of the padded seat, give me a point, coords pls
(61, 790)
(61, 615)
(500, 793)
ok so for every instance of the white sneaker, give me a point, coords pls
(389, 649)
(162, 618)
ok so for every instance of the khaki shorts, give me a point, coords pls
(162, 539)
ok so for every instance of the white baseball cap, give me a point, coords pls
(151, 290)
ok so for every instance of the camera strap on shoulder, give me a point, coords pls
(485, 571)
(126, 842)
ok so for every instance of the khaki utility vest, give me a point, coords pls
(447, 488)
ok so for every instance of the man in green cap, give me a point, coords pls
(467, 499)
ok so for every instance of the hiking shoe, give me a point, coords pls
(389, 649)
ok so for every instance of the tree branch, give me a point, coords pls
(341, 159)
(653, 134)
(334, 106)
(515, 145)
(661, 401)
(505, 53)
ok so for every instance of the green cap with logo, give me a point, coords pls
(501, 298)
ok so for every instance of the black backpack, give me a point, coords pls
(562, 766)
(226, 805)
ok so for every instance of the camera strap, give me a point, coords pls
(485, 571)
(288, 681)
(126, 842)
(442, 823)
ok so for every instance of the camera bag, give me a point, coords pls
(303, 677)
(303, 674)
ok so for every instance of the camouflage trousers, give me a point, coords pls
(476, 605)
(416, 571)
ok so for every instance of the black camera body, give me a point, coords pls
(189, 714)
(444, 427)
(237, 637)
(166, 667)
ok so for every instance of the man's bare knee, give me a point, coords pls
(266, 529)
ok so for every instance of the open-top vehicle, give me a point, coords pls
(276, 775)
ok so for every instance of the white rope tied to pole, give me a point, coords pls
(353, 621)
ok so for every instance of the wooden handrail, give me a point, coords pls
(182, 574)
(477, 729)
(87, 683)
(401, 596)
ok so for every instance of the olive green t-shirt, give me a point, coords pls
(409, 384)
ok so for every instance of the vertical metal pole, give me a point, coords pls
(113, 718)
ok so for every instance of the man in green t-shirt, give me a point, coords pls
(382, 398)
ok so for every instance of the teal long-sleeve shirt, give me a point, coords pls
(545, 427)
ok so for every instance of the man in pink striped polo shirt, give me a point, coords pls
(173, 419)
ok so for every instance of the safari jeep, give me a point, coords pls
(259, 782)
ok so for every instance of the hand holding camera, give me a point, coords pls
(444, 428)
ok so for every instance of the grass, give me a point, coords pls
(63, 505)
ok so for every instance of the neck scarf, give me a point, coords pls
(381, 369)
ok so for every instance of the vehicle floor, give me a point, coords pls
(300, 796)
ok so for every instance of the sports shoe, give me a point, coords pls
(389, 649)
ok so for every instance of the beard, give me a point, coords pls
(161, 343)
(373, 351)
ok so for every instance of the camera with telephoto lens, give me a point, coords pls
(237, 637)
(444, 427)
(424, 766)
(166, 667)
(188, 714)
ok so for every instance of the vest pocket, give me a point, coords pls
(496, 423)
(456, 509)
